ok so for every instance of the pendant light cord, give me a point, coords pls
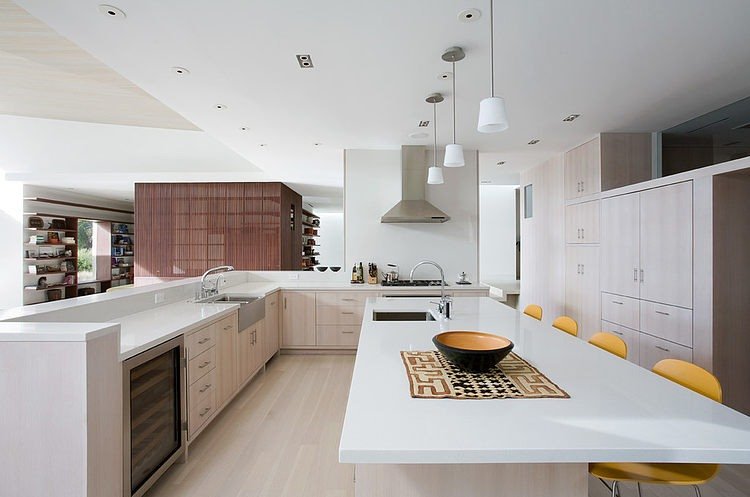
(434, 129)
(453, 67)
(492, 50)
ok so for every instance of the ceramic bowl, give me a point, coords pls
(473, 351)
(335, 269)
(322, 269)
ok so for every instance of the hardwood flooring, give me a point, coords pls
(280, 436)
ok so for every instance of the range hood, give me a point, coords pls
(413, 208)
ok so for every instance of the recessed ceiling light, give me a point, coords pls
(446, 75)
(317, 144)
(220, 107)
(305, 61)
(180, 71)
(263, 145)
(500, 163)
(469, 15)
(418, 135)
(571, 117)
(112, 12)
(244, 128)
(533, 142)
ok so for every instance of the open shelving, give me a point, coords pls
(123, 254)
(310, 227)
(49, 269)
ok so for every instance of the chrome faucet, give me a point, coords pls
(206, 291)
(446, 303)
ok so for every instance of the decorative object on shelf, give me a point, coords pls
(68, 253)
(120, 228)
(322, 269)
(58, 224)
(86, 291)
(37, 240)
(68, 240)
(53, 238)
(335, 269)
(434, 172)
(69, 280)
(36, 222)
(454, 153)
(492, 115)
(41, 283)
(32, 269)
(54, 294)
(68, 266)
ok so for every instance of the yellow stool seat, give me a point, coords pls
(656, 473)
(566, 324)
(533, 310)
(611, 343)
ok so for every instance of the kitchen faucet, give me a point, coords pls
(445, 304)
(208, 292)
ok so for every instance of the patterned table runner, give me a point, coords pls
(432, 376)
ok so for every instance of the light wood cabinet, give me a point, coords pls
(582, 222)
(298, 319)
(582, 170)
(271, 330)
(226, 359)
(653, 350)
(582, 288)
(620, 244)
(625, 159)
(632, 339)
(249, 351)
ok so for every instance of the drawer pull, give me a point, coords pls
(228, 327)
(662, 313)
(205, 387)
(347, 332)
(204, 411)
(204, 364)
(661, 348)
(618, 303)
(204, 340)
(617, 332)
(343, 312)
(349, 300)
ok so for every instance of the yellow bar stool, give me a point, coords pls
(690, 376)
(566, 324)
(533, 310)
(611, 343)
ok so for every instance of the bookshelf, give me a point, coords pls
(123, 254)
(50, 257)
(310, 246)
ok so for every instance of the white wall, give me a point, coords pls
(11, 243)
(331, 239)
(373, 186)
(543, 240)
(497, 233)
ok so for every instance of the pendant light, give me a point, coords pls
(435, 172)
(454, 153)
(492, 116)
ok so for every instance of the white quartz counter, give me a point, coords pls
(617, 411)
(54, 332)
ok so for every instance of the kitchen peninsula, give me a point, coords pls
(521, 447)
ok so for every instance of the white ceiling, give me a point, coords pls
(638, 65)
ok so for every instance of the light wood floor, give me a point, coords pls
(280, 436)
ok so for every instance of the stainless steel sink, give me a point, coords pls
(252, 309)
(402, 316)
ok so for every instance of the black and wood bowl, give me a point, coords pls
(473, 351)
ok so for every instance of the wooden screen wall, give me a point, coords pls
(182, 229)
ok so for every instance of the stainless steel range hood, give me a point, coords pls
(413, 208)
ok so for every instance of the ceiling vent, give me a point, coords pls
(533, 142)
(305, 61)
(423, 124)
(571, 118)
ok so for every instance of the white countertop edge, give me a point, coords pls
(536, 456)
(55, 332)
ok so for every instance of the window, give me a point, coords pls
(528, 201)
(86, 259)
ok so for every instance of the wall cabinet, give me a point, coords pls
(631, 337)
(582, 170)
(271, 329)
(582, 288)
(647, 245)
(653, 350)
(298, 319)
(582, 222)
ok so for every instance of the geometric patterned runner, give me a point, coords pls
(432, 376)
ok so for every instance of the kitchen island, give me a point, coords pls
(617, 411)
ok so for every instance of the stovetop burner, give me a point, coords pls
(412, 283)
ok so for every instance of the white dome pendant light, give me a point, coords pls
(435, 172)
(454, 153)
(492, 116)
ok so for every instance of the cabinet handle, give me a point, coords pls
(205, 387)
(204, 411)
(284, 303)
(583, 269)
(228, 327)
(641, 275)
(635, 274)
(662, 313)
(661, 348)
(204, 340)
(204, 364)
(342, 312)
(349, 300)
(616, 302)
(583, 188)
(347, 332)
(583, 233)
(617, 332)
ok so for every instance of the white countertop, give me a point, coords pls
(53, 332)
(261, 288)
(617, 411)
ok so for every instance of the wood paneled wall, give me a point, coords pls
(182, 229)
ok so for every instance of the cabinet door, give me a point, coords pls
(590, 171)
(582, 222)
(298, 319)
(258, 346)
(244, 354)
(589, 294)
(226, 359)
(667, 244)
(572, 282)
(271, 326)
(631, 338)
(620, 233)
(573, 173)
(653, 350)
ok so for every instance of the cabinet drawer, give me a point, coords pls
(199, 413)
(200, 341)
(620, 310)
(632, 339)
(653, 350)
(344, 298)
(226, 324)
(338, 315)
(338, 336)
(201, 365)
(202, 388)
(668, 322)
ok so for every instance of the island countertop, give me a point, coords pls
(617, 411)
